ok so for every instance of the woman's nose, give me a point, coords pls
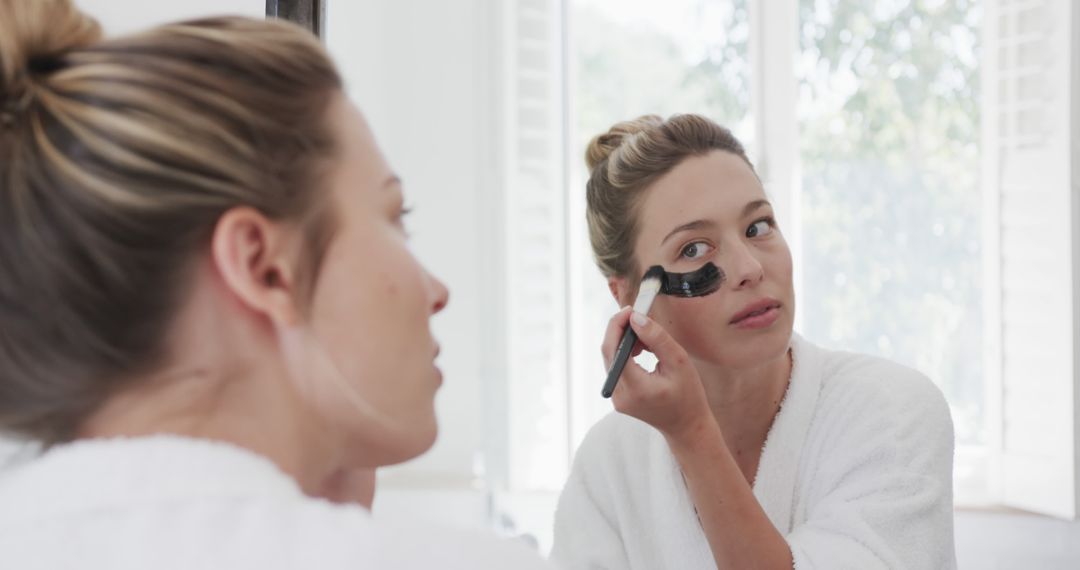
(744, 268)
(440, 294)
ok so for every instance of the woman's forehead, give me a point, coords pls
(719, 187)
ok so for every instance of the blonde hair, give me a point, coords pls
(117, 158)
(624, 162)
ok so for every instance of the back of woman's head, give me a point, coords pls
(624, 161)
(117, 158)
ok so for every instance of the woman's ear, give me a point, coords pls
(620, 290)
(255, 259)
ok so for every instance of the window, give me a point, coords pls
(891, 209)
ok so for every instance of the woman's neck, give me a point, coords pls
(224, 381)
(745, 401)
(203, 405)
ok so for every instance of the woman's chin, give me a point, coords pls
(399, 445)
(746, 352)
(772, 344)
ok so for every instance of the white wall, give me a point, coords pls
(419, 72)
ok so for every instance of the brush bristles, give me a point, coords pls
(655, 272)
(649, 289)
(652, 284)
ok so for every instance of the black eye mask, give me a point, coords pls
(698, 283)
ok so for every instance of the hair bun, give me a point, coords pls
(602, 145)
(32, 32)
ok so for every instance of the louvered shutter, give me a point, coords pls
(536, 246)
(1030, 184)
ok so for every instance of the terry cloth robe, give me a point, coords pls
(856, 473)
(172, 503)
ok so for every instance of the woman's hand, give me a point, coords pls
(670, 398)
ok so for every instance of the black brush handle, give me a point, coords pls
(622, 354)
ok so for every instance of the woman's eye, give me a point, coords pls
(759, 228)
(694, 250)
(400, 218)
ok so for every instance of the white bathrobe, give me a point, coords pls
(173, 503)
(856, 473)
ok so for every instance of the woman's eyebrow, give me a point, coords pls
(694, 225)
(749, 208)
(709, 224)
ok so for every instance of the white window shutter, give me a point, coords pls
(536, 246)
(1030, 183)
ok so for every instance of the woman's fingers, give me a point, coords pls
(637, 382)
(657, 341)
(670, 397)
(638, 386)
(617, 327)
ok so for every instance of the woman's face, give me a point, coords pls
(713, 208)
(371, 309)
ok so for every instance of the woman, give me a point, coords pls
(211, 318)
(755, 448)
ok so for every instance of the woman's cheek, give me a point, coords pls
(691, 321)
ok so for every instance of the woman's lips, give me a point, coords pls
(438, 371)
(759, 314)
(759, 321)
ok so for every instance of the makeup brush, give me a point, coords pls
(651, 284)
(704, 281)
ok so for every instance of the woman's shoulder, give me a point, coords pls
(204, 504)
(874, 385)
(620, 448)
(844, 371)
(304, 532)
(618, 437)
(314, 533)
